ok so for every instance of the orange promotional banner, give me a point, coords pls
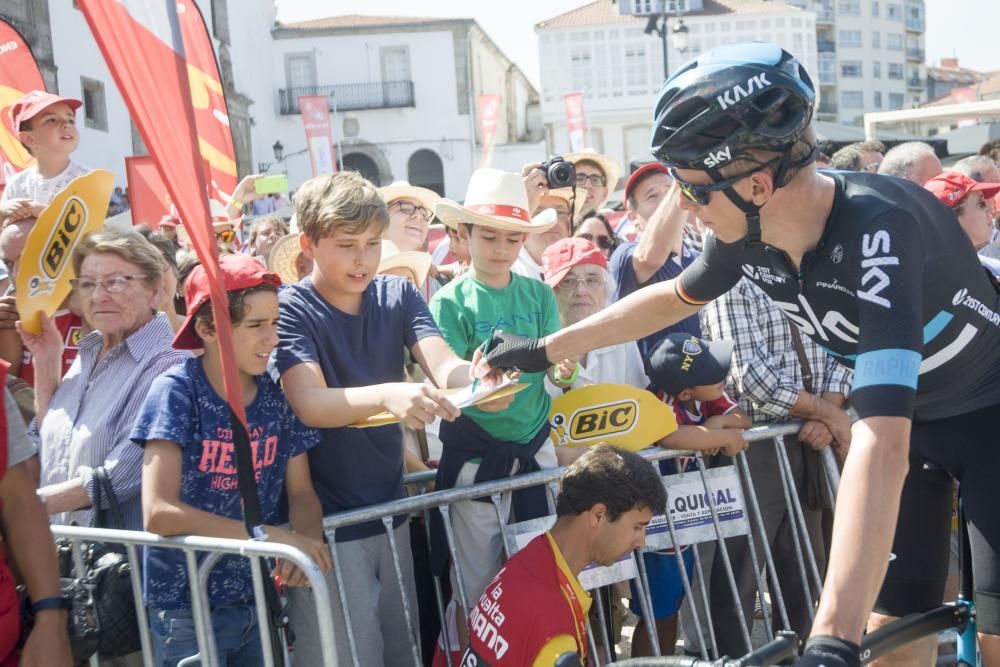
(211, 112)
(319, 135)
(19, 74)
(45, 269)
(147, 192)
(489, 117)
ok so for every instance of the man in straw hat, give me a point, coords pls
(410, 213)
(597, 175)
(479, 445)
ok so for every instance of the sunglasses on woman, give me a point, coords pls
(227, 236)
(602, 241)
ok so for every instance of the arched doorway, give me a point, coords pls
(364, 165)
(425, 169)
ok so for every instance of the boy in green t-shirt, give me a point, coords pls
(481, 446)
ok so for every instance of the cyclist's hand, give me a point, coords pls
(815, 434)
(510, 351)
(827, 651)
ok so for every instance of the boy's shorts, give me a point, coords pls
(665, 586)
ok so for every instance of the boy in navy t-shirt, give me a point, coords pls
(343, 330)
(190, 474)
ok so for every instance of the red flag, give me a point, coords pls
(319, 135)
(576, 122)
(142, 46)
(211, 113)
(489, 116)
(19, 74)
(146, 191)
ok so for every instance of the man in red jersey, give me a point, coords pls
(535, 610)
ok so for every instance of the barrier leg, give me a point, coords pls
(200, 611)
(796, 540)
(602, 620)
(799, 521)
(140, 606)
(342, 594)
(646, 602)
(439, 599)
(463, 597)
(407, 612)
(263, 614)
(685, 580)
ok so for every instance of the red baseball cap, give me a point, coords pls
(238, 272)
(168, 221)
(563, 255)
(34, 103)
(640, 175)
(952, 187)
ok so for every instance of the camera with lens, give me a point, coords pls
(559, 172)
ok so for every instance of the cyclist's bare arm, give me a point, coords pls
(636, 316)
(867, 509)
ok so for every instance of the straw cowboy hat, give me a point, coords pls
(496, 199)
(418, 263)
(403, 190)
(612, 172)
(282, 258)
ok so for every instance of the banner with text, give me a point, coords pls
(319, 133)
(19, 74)
(576, 122)
(489, 118)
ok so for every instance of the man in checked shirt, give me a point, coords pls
(769, 381)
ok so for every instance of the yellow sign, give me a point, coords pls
(383, 418)
(617, 414)
(45, 267)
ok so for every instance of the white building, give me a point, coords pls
(73, 67)
(871, 56)
(606, 55)
(405, 93)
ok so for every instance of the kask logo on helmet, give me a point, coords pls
(730, 97)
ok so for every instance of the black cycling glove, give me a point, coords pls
(828, 651)
(509, 351)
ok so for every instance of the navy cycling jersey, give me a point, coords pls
(894, 290)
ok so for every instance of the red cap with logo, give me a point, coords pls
(640, 175)
(952, 187)
(238, 272)
(563, 255)
(34, 103)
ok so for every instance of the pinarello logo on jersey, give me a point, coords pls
(963, 298)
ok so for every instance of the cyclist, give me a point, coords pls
(874, 270)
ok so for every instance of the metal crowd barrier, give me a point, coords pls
(198, 574)
(752, 524)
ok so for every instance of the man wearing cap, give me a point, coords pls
(972, 204)
(46, 125)
(660, 253)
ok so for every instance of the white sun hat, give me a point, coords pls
(496, 199)
(403, 190)
(418, 263)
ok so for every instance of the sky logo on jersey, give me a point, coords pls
(875, 248)
(738, 92)
(963, 298)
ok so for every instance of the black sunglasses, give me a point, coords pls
(602, 241)
(698, 193)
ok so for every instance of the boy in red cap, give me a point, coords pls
(46, 125)
(971, 202)
(190, 475)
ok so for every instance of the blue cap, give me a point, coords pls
(682, 361)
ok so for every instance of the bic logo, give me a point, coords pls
(600, 421)
(64, 235)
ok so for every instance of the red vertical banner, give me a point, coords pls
(576, 121)
(315, 111)
(146, 191)
(489, 117)
(19, 74)
(211, 112)
(141, 43)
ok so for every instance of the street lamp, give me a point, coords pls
(659, 27)
(279, 153)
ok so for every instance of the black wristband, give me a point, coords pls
(840, 650)
(55, 602)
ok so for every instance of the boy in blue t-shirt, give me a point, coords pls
(190, 482)
(343, 331)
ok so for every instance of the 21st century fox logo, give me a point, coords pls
(963, 298)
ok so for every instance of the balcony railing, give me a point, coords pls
(826, 45)
(915, 54)
(914, 25)
(824, 15)
(351, 96)
(827, 108)
(915, 82)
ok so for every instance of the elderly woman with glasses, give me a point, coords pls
(578, 272)
(84, 418)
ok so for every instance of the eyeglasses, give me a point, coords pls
(602, 241)
(570, 284)
(226, 237)
(698, 193)
(112, 285)
(595, 179)
(406, 208)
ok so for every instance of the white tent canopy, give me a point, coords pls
(973, 110)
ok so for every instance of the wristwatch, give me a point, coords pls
(54, 602)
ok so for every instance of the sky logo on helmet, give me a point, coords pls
(718, 157)
(738, 92)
